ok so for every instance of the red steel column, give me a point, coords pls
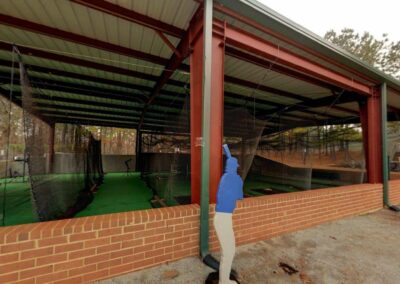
(196, 81)
(217, 107)
(370, 115)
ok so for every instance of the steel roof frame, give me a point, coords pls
(175, 60)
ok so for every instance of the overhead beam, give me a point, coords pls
(85, 103)
(77, 61)
(271, 65)
(79, 39)
(92, 122)
(183, 51)
(79, 76)
(117, 70)
(261, 47)
(80, 89)
(325, 101)
(132, 16)
(282, 37)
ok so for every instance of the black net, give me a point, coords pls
(242, 132)
(61, 184)
(311, 158)
(166, 160)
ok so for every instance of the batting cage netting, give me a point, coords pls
(165, 162)
(63, 185)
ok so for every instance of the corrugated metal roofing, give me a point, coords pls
(72, 87)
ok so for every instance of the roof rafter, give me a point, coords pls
(132, 16)
(79, 39)
(183, 49)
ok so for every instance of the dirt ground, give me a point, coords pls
(363, 249)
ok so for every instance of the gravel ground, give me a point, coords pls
(363, 249)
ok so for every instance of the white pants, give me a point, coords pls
(224, 229)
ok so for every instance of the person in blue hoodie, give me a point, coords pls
(230, 190)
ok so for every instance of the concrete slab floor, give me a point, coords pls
(363, 249)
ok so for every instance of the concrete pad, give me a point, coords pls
(363, 249)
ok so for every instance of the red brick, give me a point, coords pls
(26, 281)
(17, 247)
(82, 236)
(154, 239)
(11, 257)
(52, 277)
(97, 258)
(143, 248)
(173, 235)
(68, 247)
(121, 253)
(163, 244)
(82, 270)
(154, 253)
(35, 253)
(134, 228)
(108, 248)
(143, 234)
(132, 243)
(7, 278)
(117, 270)
(97, 242)
(109, 263)
(68, 265)
(51, 259)
(181, 240)
(110, 232)
(81, 253)
(132, 258)
(52, 241)
(36, 272)
(73, 280)
(172, 222)
(95, 275)
(143, 263)
(120, 238)
(154, 225)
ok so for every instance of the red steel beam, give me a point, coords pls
(261, 47)
(122, 71)
(79, 62)
(175, 61)
(170, 45)
(132, 16)
(269, 64)
(79, 39)
(254, 24)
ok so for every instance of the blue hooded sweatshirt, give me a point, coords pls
(230, 187)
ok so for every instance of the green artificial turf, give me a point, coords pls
(119, 193)
(18, 205)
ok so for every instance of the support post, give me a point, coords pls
(206, 116)
(385, 161)
(51, 153)
(206, 112)
(138, 150)
(370, 116)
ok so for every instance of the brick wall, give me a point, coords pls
(91, 248)
(268, 216)
(85, 249)
(394, 191)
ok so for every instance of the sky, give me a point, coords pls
(319, 16)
